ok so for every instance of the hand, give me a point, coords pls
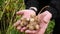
(44, 20)
(25, 14)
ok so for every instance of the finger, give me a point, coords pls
(17, 23)
(18, 27)
(20, 12)
(23, 29)
(41, 16)
(47, 17)
(30, 31)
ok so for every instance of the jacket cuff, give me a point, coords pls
(33, 8)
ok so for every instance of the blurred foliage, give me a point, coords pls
(8, 9)
(50, 27)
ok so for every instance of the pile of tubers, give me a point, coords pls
(31, 23)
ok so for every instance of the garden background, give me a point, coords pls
(8, 17)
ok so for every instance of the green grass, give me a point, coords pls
(50, 27)
(8, 17)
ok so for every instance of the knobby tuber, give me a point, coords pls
(31, 23)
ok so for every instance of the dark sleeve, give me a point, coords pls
(31, 3)
(52, 9)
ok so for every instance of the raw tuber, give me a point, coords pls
(31, 23)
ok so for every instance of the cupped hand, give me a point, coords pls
(25, 14)
(44, 19)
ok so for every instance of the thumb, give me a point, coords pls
(47, 17)
(41, 16)
(20, 12)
